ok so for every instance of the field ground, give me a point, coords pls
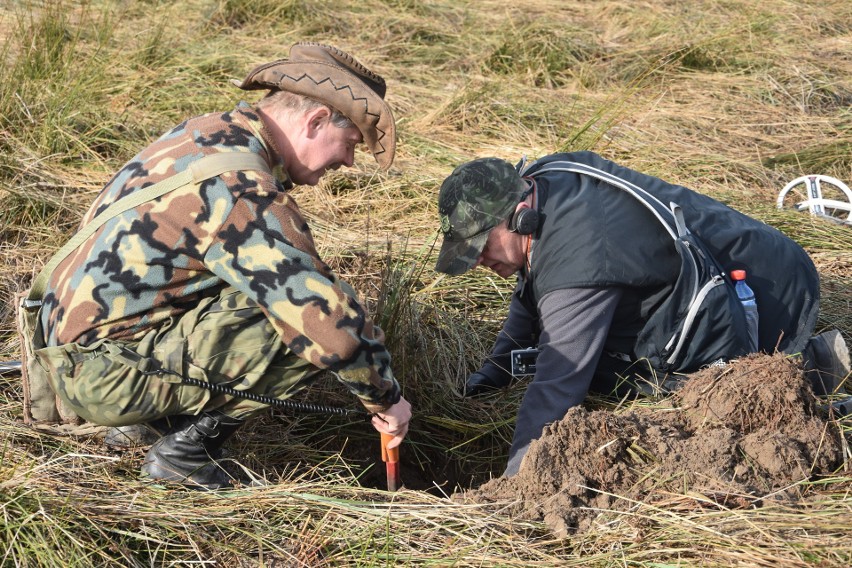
(729, 97)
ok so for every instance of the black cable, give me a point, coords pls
(15, 367)
(285, 404)
(288, 404)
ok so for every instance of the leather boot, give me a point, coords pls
(826, 363)
(189, 453)
(144, 434)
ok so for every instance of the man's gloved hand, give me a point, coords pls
(394, 421)
(479, 384)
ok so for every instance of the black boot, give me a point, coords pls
(189, 453)
(826, 363)
(144, 434)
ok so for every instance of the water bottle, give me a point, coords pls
(746, 296)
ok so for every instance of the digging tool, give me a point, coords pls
(391, 459)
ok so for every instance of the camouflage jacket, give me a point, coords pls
(241, 229)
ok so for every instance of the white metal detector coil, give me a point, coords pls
(816, 202)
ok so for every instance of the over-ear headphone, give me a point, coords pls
(524, 221)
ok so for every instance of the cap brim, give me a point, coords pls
(457, 257)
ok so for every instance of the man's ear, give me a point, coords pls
(315, 119)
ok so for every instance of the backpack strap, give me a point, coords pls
(198, 171)
(668, 217)
(680, 222)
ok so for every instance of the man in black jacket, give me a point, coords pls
(599, 252)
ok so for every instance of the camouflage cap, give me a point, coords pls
(474, 199)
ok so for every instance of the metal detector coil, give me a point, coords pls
(816, 203)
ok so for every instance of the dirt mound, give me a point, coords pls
(736, 435)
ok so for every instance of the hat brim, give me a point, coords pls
(341, 90)
(457, 257)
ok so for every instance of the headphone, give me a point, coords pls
(525, 220)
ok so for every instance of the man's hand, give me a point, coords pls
(394, 421)
(479, 383)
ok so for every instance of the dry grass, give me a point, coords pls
(732, 98)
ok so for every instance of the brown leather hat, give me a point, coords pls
(337, 79)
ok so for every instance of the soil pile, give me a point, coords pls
(737, 435)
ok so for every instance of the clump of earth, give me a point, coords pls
(737, 435)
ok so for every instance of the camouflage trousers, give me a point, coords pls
(226, 340)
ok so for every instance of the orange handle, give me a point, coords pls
(391, 456)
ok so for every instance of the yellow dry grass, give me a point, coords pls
(730, 97)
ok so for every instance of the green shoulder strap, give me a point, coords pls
(198, 171)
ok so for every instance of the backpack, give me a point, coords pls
(702, 320)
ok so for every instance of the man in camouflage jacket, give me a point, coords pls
(220, 281)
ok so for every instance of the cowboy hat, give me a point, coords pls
(337, 79)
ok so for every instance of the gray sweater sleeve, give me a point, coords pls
(575, 323)
(520, 330)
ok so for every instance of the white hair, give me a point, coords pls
(301, 103)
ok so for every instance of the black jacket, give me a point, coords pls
(595, 235)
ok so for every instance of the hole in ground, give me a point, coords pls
(425, 465)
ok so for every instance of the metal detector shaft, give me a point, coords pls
(10, 367)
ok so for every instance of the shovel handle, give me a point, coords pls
(389, 456)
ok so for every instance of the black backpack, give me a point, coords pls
(702, 320)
